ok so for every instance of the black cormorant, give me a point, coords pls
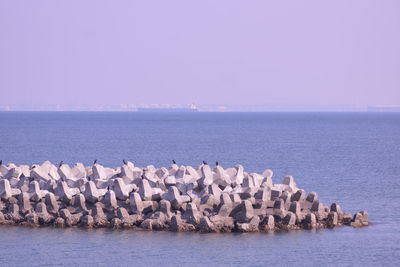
(216, 163)
(95, 161)
(205, 163)
(173, 161)
(61, 163)
(124, 161)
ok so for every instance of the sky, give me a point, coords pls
(207, 52)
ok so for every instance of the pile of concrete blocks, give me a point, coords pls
(178, 198)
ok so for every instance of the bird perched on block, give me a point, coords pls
(216, 163)
(1, 162)
(205, 163)
(95, 161)
(173, 161)
(124, 161)
(61, 163)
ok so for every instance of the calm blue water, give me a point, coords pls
(351, 158)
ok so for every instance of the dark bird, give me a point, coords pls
(173, 161)
(216, 163)
(34, 166)
(124, 161)
(205, 163)
(95, 161)
(1, 162)
(108, 188)
(61, 163)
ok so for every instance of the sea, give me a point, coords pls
(349, 158)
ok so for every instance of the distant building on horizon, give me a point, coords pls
(191, 108)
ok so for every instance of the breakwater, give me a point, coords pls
(178, 198)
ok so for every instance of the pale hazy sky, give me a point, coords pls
(207, 52)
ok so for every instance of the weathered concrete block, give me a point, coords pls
(51, 202)
(34, 191)
(173, 169)
(312, 196)
(236, 198)
(336, 208)
(221, 177)
(24, 203)
(268, 174)
(347, 218)
(360, 219)
(173, 196)
(165, 207)
(59, 222)
(13, 173)
(310, 221)
(209, 201)
(251, 226)
(39, 173)
(192, 214)
(263, 194)
(79, 171)
(162, 173)
(295, 208)
(136, 203)
(13, 213)
(332, 220)
(225, 210)
(65, 172)
(145, 190)
(286, 196)
(248, 182)
(206, 225)
(99, 172)
(288, 180)
(178, 225)
(170, 180)
(317, 206)
(78, 202)
(5, 189)
(127, 170)
(237, 179)
(63, 192)
(67, 216)
(290, 219)
(225, 199)
(91, 193)
(243, 212)
(275, 194)
(87, 221)
(110, 200)
(215, 191)
(268, 223)
(120, 189)
(222, 224)
(300, 195)
(149, 206)
(279, 204)
(206, 176)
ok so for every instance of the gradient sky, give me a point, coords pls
(207, 52)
